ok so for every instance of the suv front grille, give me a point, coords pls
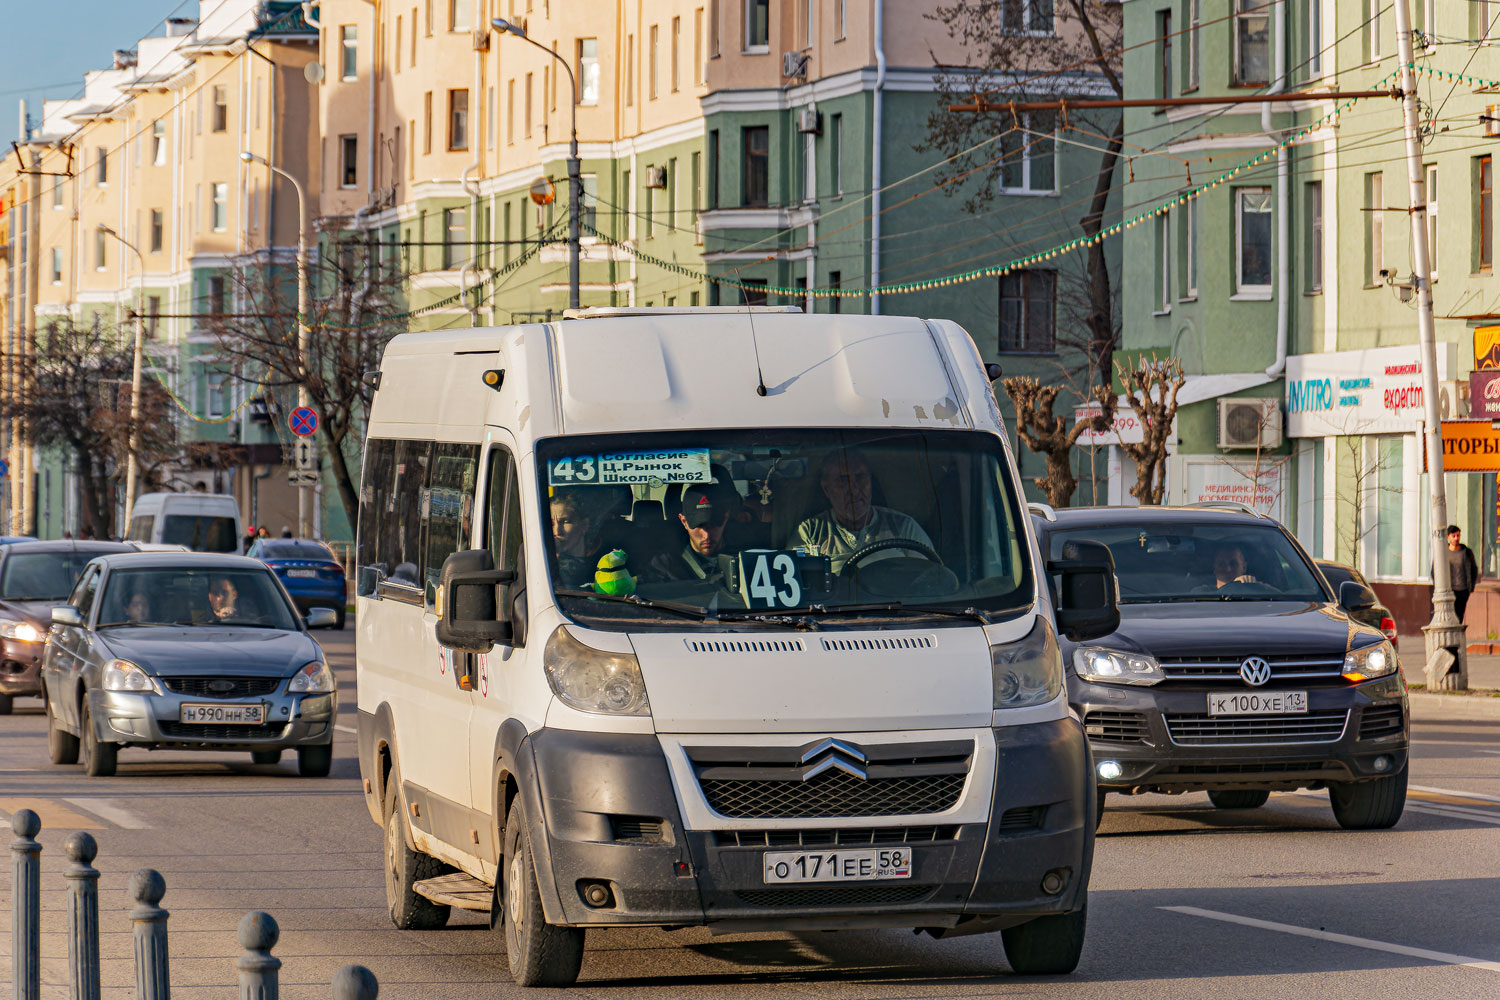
(1380, 720)
(1250, 730)
(243, 687)
(1284, 669)
(1116, 727)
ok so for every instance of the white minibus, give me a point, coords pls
(725, 617)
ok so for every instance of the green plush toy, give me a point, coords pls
(613, 576)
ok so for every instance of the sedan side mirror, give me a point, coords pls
(468, 614)
(66, 614)
(322, 618)
(1355, 596)
(1088, 604)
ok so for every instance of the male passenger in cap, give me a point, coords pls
(853, 520)
(706, 511)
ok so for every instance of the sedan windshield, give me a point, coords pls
(802, 523)
(178, 595)
(42, 576)
(1183, 561)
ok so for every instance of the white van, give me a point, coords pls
(204, 522)
(716, 616)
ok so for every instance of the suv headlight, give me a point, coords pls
(592, 680)
(314, 678)
(21, 631)
(1028, 672)
(1115, 666)
(122, 675)
(1369, 663)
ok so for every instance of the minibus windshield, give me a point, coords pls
(812, 524)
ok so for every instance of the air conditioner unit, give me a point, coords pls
(794, 64)
(1453, 399)
(1491, 121)
(1249, 423)
(656, 177)
(809, 120)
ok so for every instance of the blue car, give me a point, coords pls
(308, 570)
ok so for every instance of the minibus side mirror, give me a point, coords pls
(469, 618)
(1355, 596)
(1088, 604)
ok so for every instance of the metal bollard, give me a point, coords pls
(153, 980)
(258, 968)
(355, 982)
(26, 906)
(83, 917)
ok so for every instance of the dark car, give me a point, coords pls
(1236, 669)
(308, 570)
(35, 576)
(1376, 616)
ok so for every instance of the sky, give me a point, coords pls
(45, 48)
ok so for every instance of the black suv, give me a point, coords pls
(1235, 669)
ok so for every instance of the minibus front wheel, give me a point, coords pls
(540, 954)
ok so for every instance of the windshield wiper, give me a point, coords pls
(133, 625)
(686, 610)
(912, 609)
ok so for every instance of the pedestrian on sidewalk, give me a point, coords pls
(1463, 570)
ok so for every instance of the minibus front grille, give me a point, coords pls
(853, 895)
(864, 836)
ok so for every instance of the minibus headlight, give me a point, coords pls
(1115, 666)
(1028, 672)
(1371, 662)
(314, 678)
(592, 680)
(122, 675)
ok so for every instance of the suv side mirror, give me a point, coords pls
(1087, 594)
(66, 614)
(1355, 596)
(468, 615)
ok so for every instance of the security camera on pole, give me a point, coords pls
(1446, 646)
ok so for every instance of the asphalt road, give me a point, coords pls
(1186, 901)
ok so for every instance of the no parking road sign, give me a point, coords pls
(303, 421)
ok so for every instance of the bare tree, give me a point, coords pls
(1014, 60)
(1356, 490)
(1151, 389)
(350, 325)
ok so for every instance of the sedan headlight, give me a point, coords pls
(1028, 672)
(1115, 666)
(21, 631)
(592, 680)
(122, 675)
(315, 678)
(1369, 663)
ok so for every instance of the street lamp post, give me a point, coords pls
(304, 300)
(575, 179)
(135, 374)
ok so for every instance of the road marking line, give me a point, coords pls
(1451, 812)
(1487, 751)
(1449, 791)
(347, 729)
(1442, 957)
(106, 809)
(52, 814)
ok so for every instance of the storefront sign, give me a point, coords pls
(1484, 395)
(1471, 446)
(1486, 348)
(1254, 485)
(1126, 430)
(1376, 391)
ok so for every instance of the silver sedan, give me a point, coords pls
(185, 651)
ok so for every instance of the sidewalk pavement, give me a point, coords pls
(1484, 678)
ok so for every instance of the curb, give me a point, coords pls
(1452, 707)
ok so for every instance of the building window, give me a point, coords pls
(216, 296)
(676, 48)
(158, 228)
(629, 71)
(101, 246)
(588, 207)
(1252, 43)
(836, 154)
(101, 173)
(398, 42)
(713, 168)
(427, 19)
(1484, 17)
(1028, 312)
(1484, 217)
(1164, 53)
(455, 236)
(757, 25)
(651, 66)
(713, 29)
(672, 194)
(489, 118)
(510, 112)
(348, 161)
(1374, 229)
(57, 265)
(153, 314)
(753, 292)
(1315, 236)
(1189, 243)
(1388, 506)
(412, 52)
(349, 51)
(1164, 262)
(836, 283)
(648, 217)
(218, 392)
(458, 119)
(158, 143)
(1033, 17)
(458, 15)
(1374, 42)
(1029, 156)
(696, 168)
(698, 46)
(1194, 46)
(221, 109)
(527, 117)
(220, 217)
(1432, 219)
(588, 71)
(755, 166)
(1252, 245)
(1314, 38)
(57, 194)
(427, 123)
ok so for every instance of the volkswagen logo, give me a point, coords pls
(1254, 671)
(831, 753)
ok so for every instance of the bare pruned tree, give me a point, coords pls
(350, 322)
(1020, 52)
(1151, 389)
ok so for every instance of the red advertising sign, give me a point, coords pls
(1484, 395)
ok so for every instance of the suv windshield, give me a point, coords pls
(178, 595)
(799, 521)
(1182, 561)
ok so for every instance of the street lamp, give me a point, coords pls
(135, 374)
(304, 297)
(575, 180)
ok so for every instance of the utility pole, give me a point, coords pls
(1445, 647)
